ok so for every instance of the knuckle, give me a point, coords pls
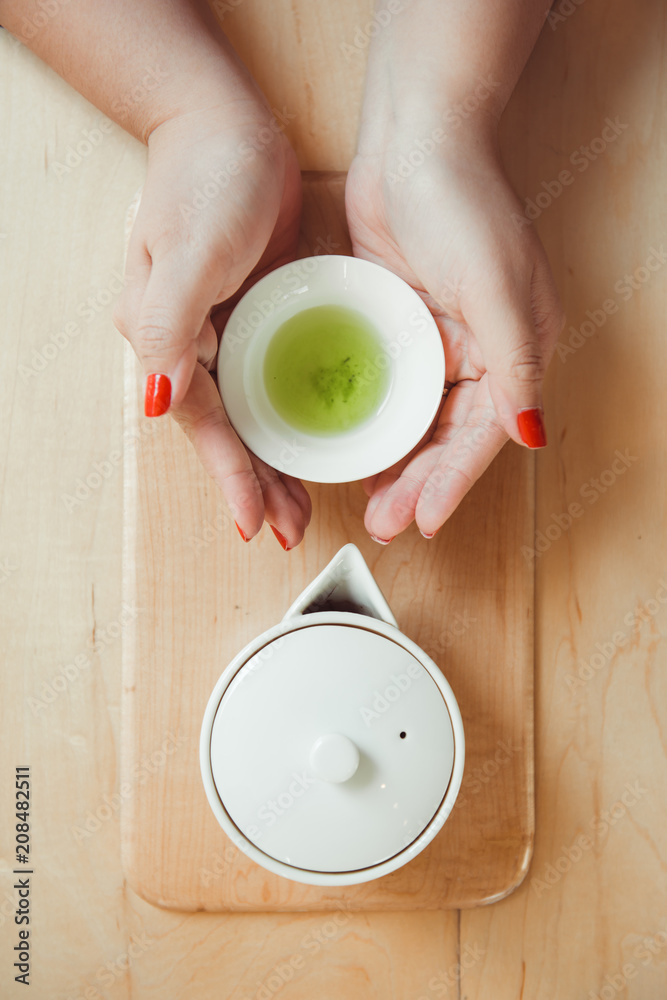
(241, 490)
(155, 338)
(156, 331)
(549, 319)
(211, 420)
(457, 480)
(445, 481)
(404, 499)
(525, 363)
(267, 478)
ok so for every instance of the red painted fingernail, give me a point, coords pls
(383, 541)
(531, 427)
(425, 535)
(241, 533)
(281, 538)
(158, 395)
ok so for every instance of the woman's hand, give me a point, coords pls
(427, 197)
(220, 207)
(446, 227)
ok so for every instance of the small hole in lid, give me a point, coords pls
(403, 735)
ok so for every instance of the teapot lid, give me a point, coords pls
(332, 748)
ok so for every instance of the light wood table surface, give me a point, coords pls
(591, 918)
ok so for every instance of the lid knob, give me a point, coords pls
(334, 758)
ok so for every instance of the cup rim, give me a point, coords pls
(411, 347)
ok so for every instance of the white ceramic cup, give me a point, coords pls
(410, 350)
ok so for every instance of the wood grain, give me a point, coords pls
(60, 580)
(465, 597)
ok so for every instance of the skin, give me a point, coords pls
(446, 229)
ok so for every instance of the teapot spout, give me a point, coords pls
(346, 584)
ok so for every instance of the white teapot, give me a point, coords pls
(332, 747)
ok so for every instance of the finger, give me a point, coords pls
(516, 325)
(377, 486)
(126, 316)
(282, 509)
(301, 496)
(174, 308)
(465, 450)
(207, 344)
(370, 483)
(202, 417)
(432, 484)
(383, 484)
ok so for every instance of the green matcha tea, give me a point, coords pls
(325, 370)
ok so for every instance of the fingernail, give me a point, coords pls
(425, 535)
(281, 538)
(531, 427)
(241, 533)
(383, 541)
(158, 395)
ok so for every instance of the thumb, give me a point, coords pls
(516, 328)
(169, 327)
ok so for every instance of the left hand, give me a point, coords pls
(448, 230)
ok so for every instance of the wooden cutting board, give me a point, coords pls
(196, 594)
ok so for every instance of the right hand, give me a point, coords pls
(184, 260)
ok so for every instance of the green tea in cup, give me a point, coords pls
(326, 370)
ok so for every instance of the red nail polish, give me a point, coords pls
(531, 427)
(281, 538)
(158, 395)
(241, 533)
(383, 541)
(425, 535)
